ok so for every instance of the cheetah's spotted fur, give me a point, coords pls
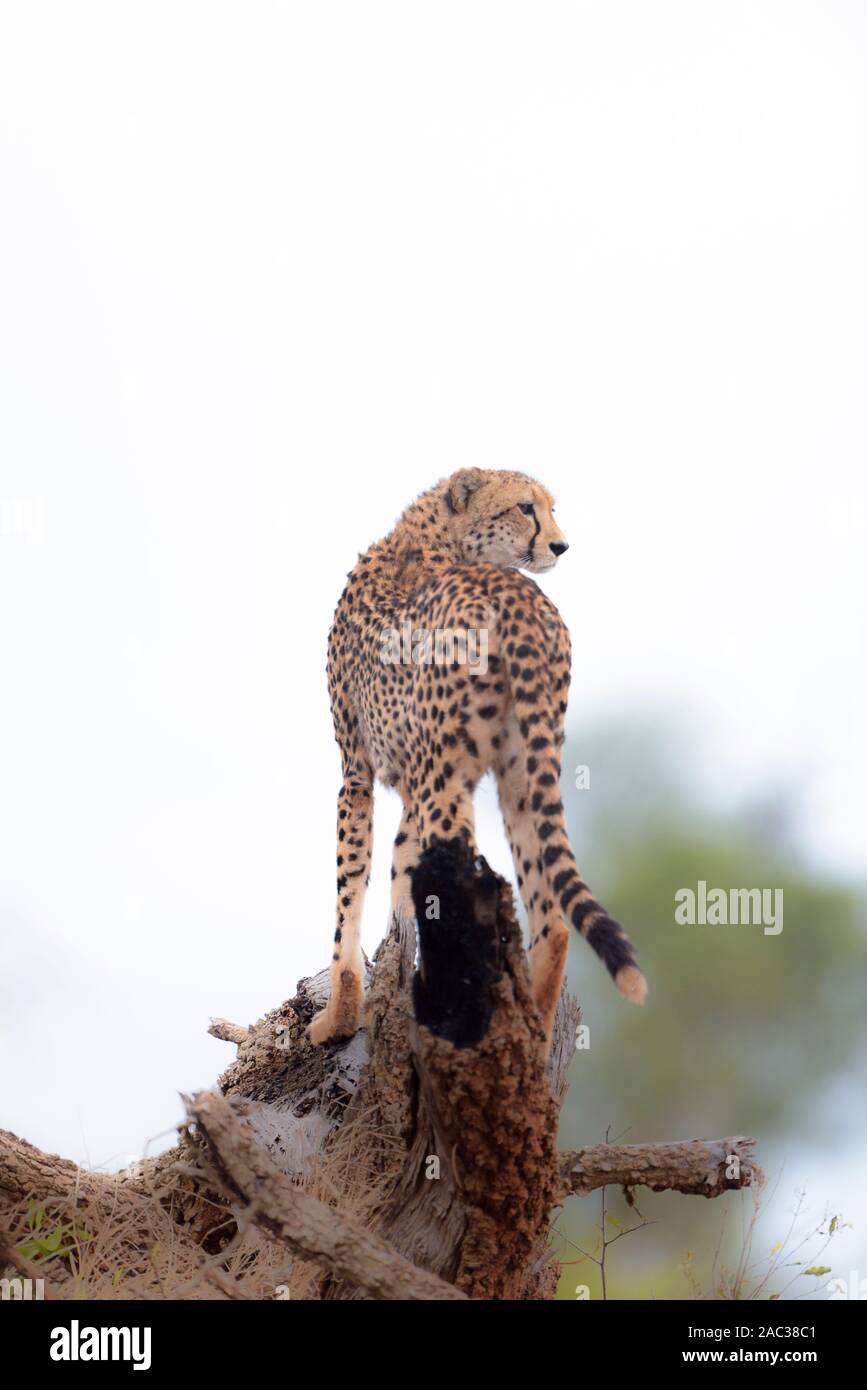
(431, 730)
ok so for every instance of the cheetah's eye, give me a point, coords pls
(526, 507)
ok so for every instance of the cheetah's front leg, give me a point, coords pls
(342, 1014)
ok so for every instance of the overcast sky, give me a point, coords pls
(267, 272)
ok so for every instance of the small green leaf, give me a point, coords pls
(818, 1270)
(35, 1216)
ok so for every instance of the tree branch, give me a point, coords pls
(310, 1228)
(697, 1167)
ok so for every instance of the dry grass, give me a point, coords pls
(128, 1243)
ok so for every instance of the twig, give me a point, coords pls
(228, 1032)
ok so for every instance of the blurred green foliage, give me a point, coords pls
(742, 1033)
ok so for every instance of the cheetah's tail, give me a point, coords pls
(604, 934)
(560, 870)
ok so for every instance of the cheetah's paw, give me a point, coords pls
(323, 1029)
(341, 1016)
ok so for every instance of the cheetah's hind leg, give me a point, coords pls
(342, 1014)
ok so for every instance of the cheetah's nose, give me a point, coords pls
(559, 547)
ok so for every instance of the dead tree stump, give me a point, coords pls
(416, 1160)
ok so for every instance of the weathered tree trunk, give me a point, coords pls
(416, 1160)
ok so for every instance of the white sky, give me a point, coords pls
(268, 271)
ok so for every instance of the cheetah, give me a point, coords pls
(425, 719)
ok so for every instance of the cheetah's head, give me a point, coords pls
(504, 518)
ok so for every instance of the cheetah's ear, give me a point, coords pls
(461, 487)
